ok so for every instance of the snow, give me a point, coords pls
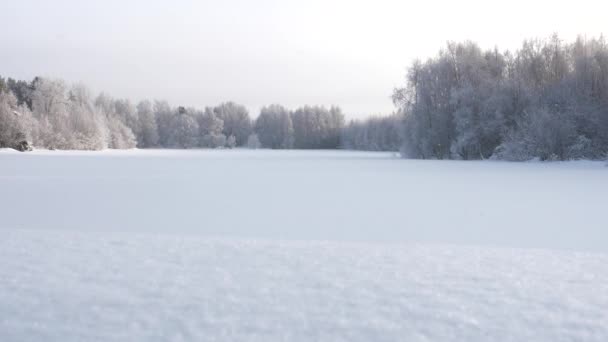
(298, 246)
(318, 195)
(103, 286)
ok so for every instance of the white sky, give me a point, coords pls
(293, 52)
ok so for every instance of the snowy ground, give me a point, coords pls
(220, 246)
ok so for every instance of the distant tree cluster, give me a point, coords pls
(52, 115)
(377, 133)
(49, 114)
(308, 127)
(548, 100)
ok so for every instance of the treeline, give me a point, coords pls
(308, 127)
(48, 114)
(547, 100)
(377, 133)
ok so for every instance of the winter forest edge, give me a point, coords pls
(548, 100)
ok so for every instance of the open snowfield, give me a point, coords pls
(300, 246)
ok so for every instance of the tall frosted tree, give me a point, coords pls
(274, 127)
(22, 90)
(315, 127)
(211, 127)
(127, 112)
(16, 121)
(378, 133)
(119, 136)
(88, 131)
(50, 108)
(236, 121)
(184, 130)
(148, 128)
(163, 115)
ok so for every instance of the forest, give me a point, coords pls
(48, 114)
(548, 100)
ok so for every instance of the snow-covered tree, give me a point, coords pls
(50, 108)
(373, 134)
(315, 127)
(210, 129)
(119, 136)
(274, 127)
(163, 115)
(236, 121)
(88, 130)
(16, 122)
(22, 91)
(184, 130)
(127, 113)
(148, 128)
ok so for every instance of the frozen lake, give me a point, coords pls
(299, 246)
(313, 195)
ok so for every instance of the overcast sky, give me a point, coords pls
(197, 53)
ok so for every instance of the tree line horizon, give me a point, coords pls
(548, 100)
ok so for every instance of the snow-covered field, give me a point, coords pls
(299, 246)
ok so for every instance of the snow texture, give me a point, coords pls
(71, 286)
(299, 246)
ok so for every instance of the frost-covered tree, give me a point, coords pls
(184, 130)
(16, 121)
(127, 113)
(307, 127)
(210, 129)
(22, 91)
(119, 136)
(163, 115)
(333, 126)
(88, 129)
(50, 108)
(236, 121)
(147, 122)
(373, 134)
(315, 127)
(274, 127)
